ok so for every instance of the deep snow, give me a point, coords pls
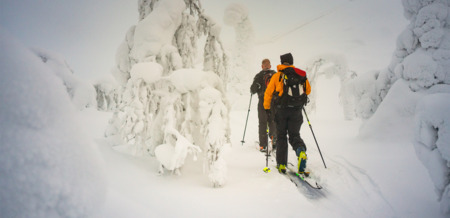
(368, 175)
(364, 178)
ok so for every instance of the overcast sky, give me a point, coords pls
(87, 33)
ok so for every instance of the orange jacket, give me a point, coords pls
(276, 85)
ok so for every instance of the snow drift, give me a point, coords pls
(432, 142)
(81, 92)
(48, 167)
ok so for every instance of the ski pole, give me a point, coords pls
(314, 137)
(247, 119)
(267, 169)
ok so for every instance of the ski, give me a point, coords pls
(308, 180)
(291, 173)
(296, 178)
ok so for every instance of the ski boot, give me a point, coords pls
(302, 162)
(281, 168)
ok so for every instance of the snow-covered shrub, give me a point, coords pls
(432, 142)
(364, 87)
(159, 98)
(82, 93)
(329, 66)
(48, 167)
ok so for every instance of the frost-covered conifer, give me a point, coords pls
(237, 16)
(422, 56)
(145, 7)
(160, 97)
(420, 67)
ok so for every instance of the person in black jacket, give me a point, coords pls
(259, 86)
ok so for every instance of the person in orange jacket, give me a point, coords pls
(291, 87)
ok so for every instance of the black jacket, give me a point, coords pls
(259, 82)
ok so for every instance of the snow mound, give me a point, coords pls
(82, 93)
(172, 157)
(48, 167)
(432, 142)
(394, 112)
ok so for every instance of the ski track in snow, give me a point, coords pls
(346, 187)
(348, 190)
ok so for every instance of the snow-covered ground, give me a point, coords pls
(372, 167)
(364, 178)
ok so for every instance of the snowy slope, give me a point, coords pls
(364, 178)
(373, 176)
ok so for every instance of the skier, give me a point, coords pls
(292, 87)
(259, 86)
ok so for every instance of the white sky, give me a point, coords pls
(88, 33)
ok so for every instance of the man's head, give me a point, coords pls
(266, 64)
(287, 59)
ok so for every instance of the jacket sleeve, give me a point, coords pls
(269, 91)
(256, 86)
(307, 87)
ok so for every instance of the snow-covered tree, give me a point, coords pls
(329, 66)
(145, 7)
(159, 98)
(106, 93)
(418, 77)
(215, 58)
(421, 57)
(237, 16)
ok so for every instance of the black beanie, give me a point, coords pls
(287, 58)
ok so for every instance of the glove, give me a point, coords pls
(256, 87)
(306, 99)
(268, 112)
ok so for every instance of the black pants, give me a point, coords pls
(265, 122)
(288, 122)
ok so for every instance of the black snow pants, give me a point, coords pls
(288, 122)
(265, 122)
